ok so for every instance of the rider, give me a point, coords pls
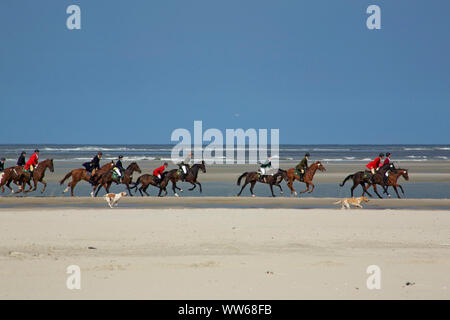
(158, 173)
(263, 168)
(2, 164)
(184, 165)
(387, 161)
(21, 161)
(32, 162)
(303, 165)
(119, 169)
(93, 166)
(375, 165)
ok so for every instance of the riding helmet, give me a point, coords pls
(307, 154)
(121, 157)
(3, 159)
(381, 155)
(37, 150)
(166, 164)
(388, 154)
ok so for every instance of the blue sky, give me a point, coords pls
(139, 69)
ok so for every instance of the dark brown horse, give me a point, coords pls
(175, 175)
(146, 180)
(363, 177)
(307, 177)
(38, 176)
(392, 181)
(271, 180)
(82, 174)
(106, 179)
(11, 174)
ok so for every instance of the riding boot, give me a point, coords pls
(91, 180)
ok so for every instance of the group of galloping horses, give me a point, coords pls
(104, 177)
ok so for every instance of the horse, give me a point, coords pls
(82, 174)
(363, 177)
(271, 180)
(146, 180)
(175, 175)
(106, 179)
(307, 177)
(38, 176)
(11, 174)
(392, 181)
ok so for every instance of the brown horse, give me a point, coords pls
(392, 181)
(38, 176)
(106, 179)
(363, 177)
(82, 174)
(146, 180)
(271, 180)
(11, 174)
(175, 175)
(307, 177)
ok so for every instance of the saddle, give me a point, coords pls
(367, 174)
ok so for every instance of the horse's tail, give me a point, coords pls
(240, 178)
(345, 180)
(66, 177)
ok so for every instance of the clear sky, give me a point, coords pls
(139, 69)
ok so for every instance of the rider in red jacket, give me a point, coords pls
(376, 163)
(159, 171)
(32, 162)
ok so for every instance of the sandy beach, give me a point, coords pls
(225, 247)
(224, 253)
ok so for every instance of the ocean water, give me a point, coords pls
(337, 153)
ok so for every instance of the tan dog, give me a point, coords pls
(113, 198)
(352, 201)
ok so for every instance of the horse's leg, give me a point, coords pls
(252, 185)
(281, 189)
(96, 192)
(271, 190)
(128, 188)
(307, 188)
(375, 189)
(242, 188)
(193, 186)
(365, 189)
(401, 188)
(200, 186)
(45, 186)
(312, 189)
(174, 186)
(396, 191)
(289, 184)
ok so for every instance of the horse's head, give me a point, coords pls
(202, 166)
(404, 173)
(134, 167)
(320, 166)
(50, 165)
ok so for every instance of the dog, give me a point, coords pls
(113, 198)
(346, 202)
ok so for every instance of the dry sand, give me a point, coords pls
(224, 253)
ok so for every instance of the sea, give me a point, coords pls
(336, 153)
(287, 153)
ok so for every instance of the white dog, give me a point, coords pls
(113, 198)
